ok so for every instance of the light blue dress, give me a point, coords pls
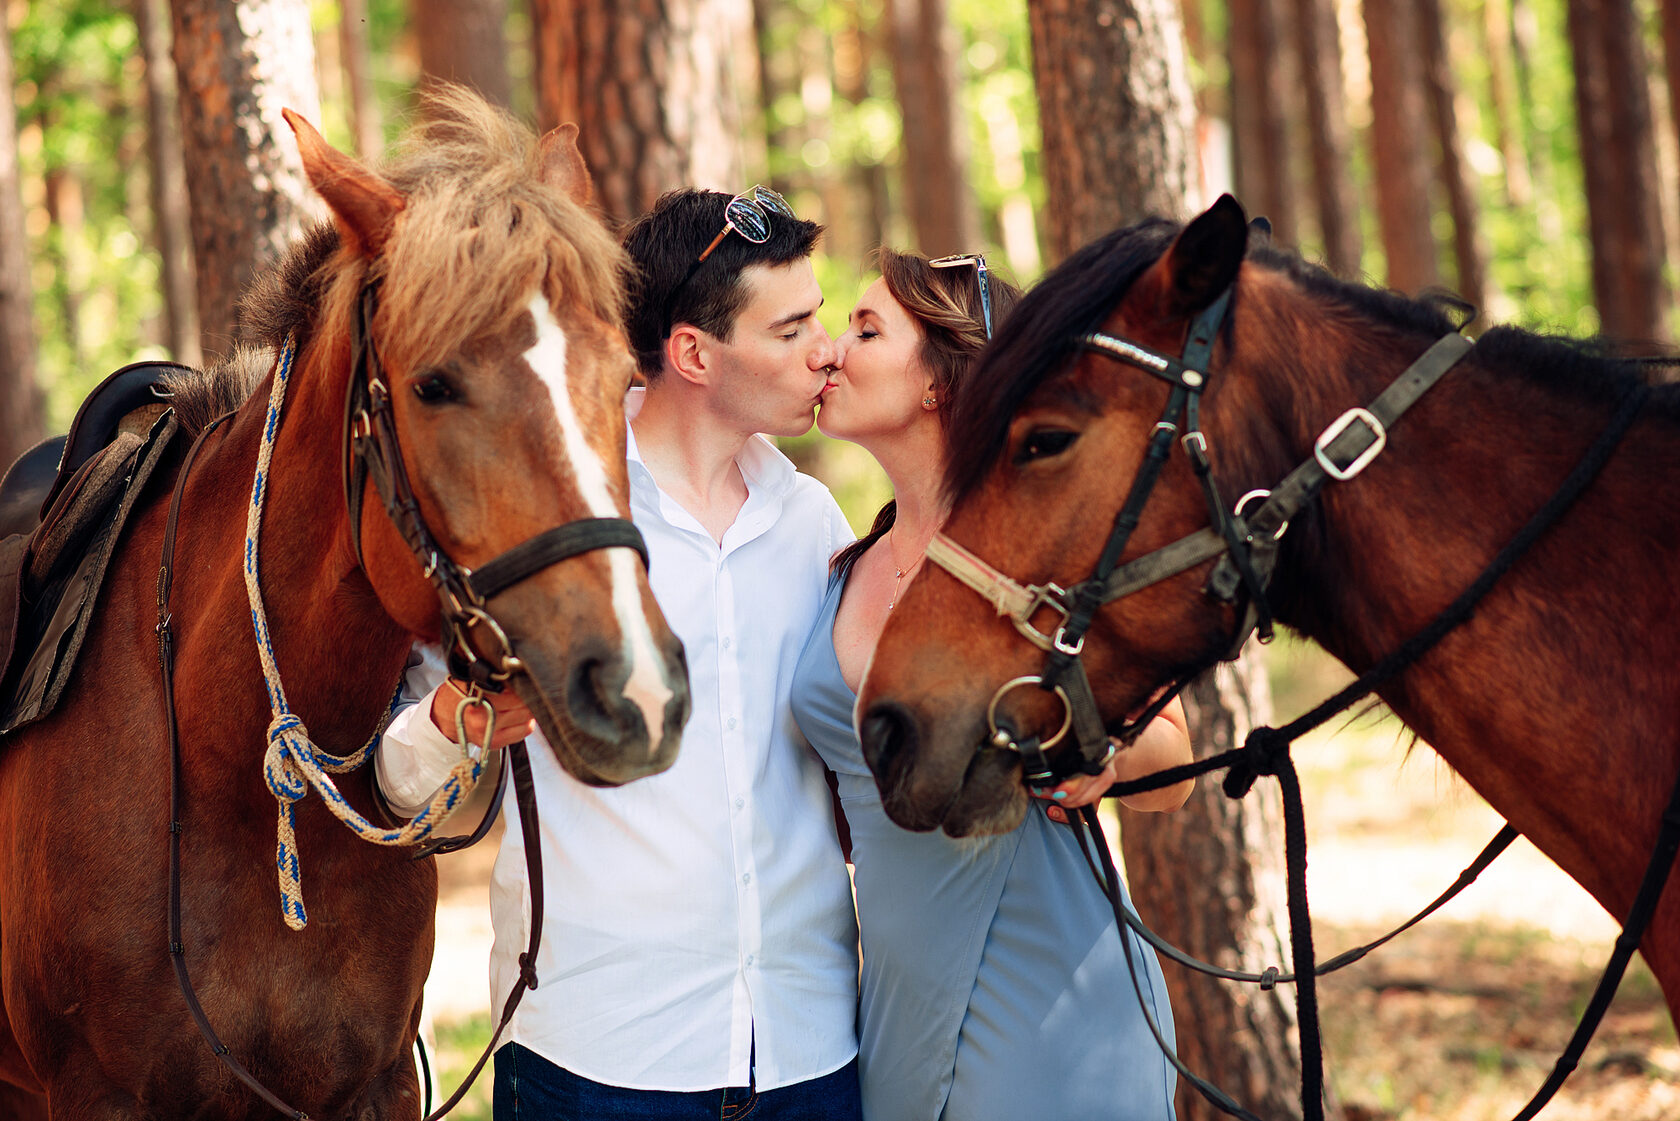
(993, 985)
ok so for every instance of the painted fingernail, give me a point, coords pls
(1059, 795)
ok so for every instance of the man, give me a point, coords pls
(699, 945)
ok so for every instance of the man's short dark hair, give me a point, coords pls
(668, 239)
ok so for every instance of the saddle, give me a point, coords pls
(63, 505)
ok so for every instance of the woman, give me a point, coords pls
(994, 985)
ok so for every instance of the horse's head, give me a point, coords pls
(492, 306)
(1044, 446)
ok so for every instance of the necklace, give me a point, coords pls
(898, 573)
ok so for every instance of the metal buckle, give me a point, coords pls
(1042, 595)
(1261, 493)
(997, 737)
(1342, 424)
(1061, 645)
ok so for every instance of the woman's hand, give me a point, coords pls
(513, 719)
(1165, 743)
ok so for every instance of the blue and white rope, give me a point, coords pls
(293, 764)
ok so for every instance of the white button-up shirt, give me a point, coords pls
(698, 924)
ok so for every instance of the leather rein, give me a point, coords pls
(1247, 550)
(371, 449)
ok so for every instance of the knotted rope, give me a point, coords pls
(293, 764)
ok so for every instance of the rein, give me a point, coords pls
(1247, 552)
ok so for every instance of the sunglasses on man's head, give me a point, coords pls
(748, 214)
(978, 260)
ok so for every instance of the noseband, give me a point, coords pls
(1246, 544)
(371, 449)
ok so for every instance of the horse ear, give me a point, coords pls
(1204, 259)
(364, 206)
(563, 166)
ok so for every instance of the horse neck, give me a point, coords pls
(338, 653)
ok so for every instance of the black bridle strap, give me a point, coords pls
(166, 663)
(552, 546)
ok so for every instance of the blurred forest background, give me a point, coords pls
(1519, 153)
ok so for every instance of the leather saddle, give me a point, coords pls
(63, 505)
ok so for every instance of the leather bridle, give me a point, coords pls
(371, 450)
(1246, 544)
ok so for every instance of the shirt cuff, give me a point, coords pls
(414, 758)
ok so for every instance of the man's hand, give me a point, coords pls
(513, 719)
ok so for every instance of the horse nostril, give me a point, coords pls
(887, 732)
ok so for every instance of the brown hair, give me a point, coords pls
(945, 304)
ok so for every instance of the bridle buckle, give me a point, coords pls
(1049, 595)
(1379, 440)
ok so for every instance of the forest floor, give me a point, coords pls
(1460, 1019)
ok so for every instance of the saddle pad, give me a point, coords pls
(67, 560)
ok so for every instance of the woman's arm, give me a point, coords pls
(1165, 743)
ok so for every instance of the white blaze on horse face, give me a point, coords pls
(646, 687)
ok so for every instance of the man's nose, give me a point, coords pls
(825, 353)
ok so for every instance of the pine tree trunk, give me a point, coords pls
(171, 221)
(239, 63)
(1117, 123)
(1336, 204)
(22, 406)
(465, 41)
(1618, 161)
(358, 83)
(1259, 119)
(1115, 114)
(663, 109)
(1400, 145)
(1453, 170)
(1502, 93)
(942, 209)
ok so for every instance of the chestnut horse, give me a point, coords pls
(498, 326)
(1559, 700)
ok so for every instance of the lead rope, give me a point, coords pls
(293, 764)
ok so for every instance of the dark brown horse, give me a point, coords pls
(498, 327)
(1559, 700)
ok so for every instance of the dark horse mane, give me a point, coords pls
(1037, 342)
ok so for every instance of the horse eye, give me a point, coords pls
(1047, 442)
(435, 388)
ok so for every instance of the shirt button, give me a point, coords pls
(746, 877)
(726, 643)
(731, 724)
(749, 959)
(740, 802)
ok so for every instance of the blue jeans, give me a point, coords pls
(530, 1088)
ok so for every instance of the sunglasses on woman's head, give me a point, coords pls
(978, 260)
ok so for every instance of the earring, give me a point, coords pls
(927, 402)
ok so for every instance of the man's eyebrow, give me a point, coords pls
(796, 317)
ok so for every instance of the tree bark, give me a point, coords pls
(1259, 118)
(1502, 93)
(942, 209)
(1453, 170)
(171, 221)
(239, 63)
(1335, 202)
(358, 84)
(554, 51)
(22, 405)
(1115, 114)
(1117, 123)
(663, 109)
(1399, 145)
(1618, 162)
(465, 41)
(1210, 880)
